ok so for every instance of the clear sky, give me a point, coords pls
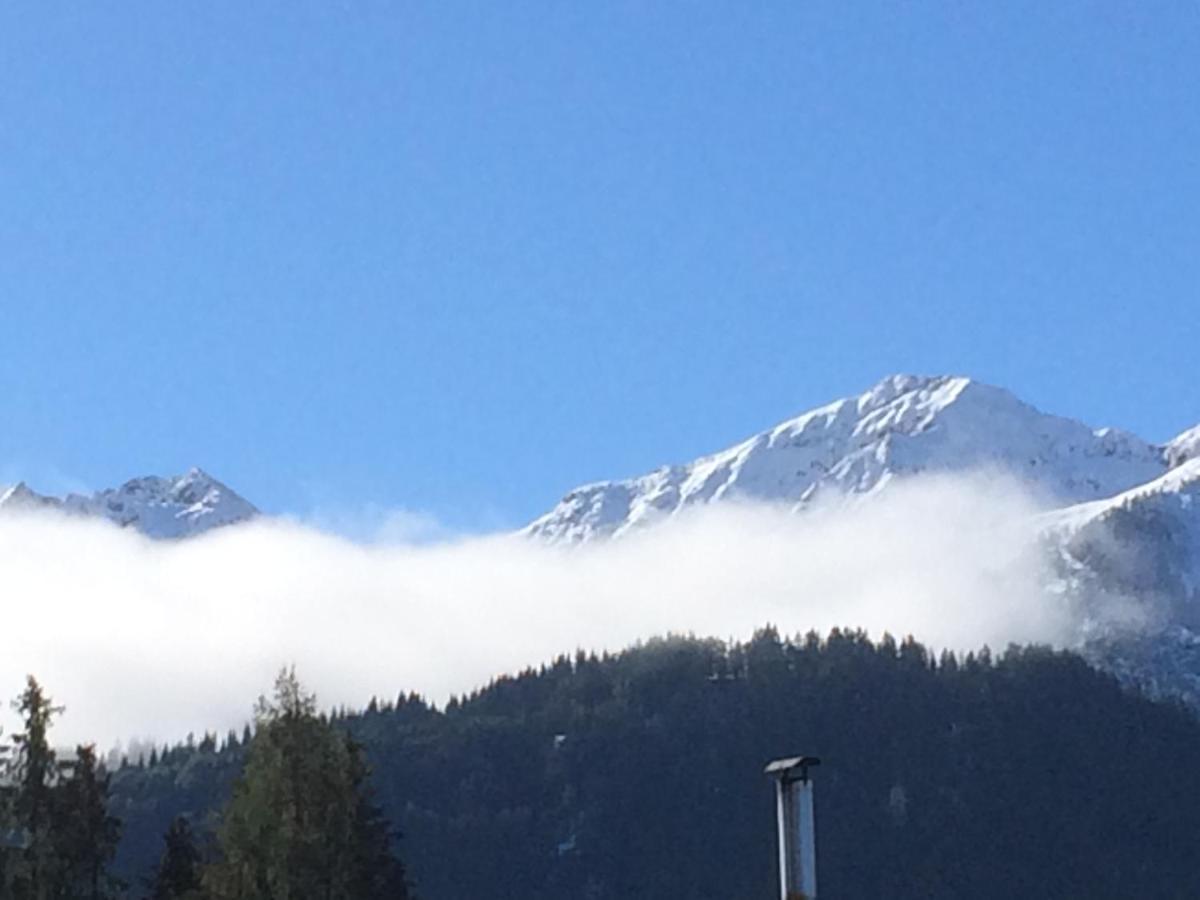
(459, 257)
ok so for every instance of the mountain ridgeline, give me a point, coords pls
(854, 448)
(639, 775)
(178, 506)
(1118, 524)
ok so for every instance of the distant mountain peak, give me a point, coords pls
(160, 507)
(21, 496)
(901, 426)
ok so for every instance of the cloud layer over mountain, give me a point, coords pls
(139, 637)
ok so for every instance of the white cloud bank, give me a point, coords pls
(140, 638)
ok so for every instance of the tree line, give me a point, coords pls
(638, 775)
(300, 823)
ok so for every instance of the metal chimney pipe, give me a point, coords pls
(797, 828)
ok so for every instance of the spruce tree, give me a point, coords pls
(85, 835)
(32, 770)
(300, 825)
(378, 873)
(56, 836)
(178, 873)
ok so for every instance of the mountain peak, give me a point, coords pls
(901, 426)
(21, 496)
(159, 507)
(887, 389)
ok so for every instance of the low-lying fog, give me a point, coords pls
(139, 638)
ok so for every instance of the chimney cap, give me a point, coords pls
(791, 768)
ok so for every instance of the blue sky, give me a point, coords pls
(459, 257)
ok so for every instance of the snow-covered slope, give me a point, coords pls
(19, 497)
(1184, 447)
(902, 426)
(173, 507)
(1143, 543)
(1137, 554)
(1121, 520)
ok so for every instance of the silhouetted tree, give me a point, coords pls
(178, 873)
(85, 835)
(31, 774)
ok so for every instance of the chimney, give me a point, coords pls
(797, 831)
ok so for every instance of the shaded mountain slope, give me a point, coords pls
(639, 776)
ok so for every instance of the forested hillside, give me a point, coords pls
(639, 775)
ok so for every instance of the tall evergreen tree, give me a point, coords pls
(32, 771)
(377, 872)
(178, 874)
(56, 836)
(299, 825)
(85, 835)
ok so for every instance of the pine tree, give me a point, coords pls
(378, 873)
(178, 873)
(56, 836)
(300, 825)
(32, 771)
(85, 835)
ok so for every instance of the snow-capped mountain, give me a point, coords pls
(173, 507)
(1120, 519)
(1120, 526)
(856, 446)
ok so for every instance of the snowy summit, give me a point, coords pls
(1120, 517)
(903, 426)
(173, 507)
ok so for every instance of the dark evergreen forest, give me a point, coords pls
(298, 821)
(639, 775)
